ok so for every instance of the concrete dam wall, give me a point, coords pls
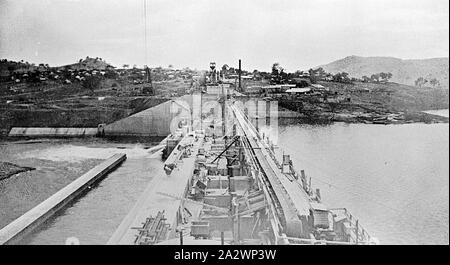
(52, 132)
(160, 120)
(164, 118)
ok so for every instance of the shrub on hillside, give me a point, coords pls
(92, 83)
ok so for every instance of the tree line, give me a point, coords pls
(279, 76)
(421, 82)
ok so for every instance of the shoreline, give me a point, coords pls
(316, 117)
(8, 170)
(370, 118)
(438, 112)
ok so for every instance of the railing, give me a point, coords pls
(258, 135)
(359, 234)
(272, 206)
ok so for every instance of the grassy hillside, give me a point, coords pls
(403, 71)
(373, 103)
(87, 64)
(396, 97)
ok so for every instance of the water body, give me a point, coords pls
(440, 112)
(394, 178)
(93, 217)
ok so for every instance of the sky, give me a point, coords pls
(299, 34)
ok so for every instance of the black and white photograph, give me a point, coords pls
(228, 130)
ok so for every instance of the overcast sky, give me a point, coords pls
(299, 34)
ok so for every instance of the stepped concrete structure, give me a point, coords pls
(165, 118)
(52, 132)
(159, 120)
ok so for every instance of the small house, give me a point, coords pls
(299, 91)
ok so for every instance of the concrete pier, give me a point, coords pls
(17, 229)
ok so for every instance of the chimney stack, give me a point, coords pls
(240, 87)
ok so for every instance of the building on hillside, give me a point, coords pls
(318, 87)
(218, 89)
(253, 90)
(299, 91)
(301, 82)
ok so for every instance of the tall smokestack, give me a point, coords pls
(240, 87)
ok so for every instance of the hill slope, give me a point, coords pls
(403, 71)
(88, 64)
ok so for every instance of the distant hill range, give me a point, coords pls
(403, 71)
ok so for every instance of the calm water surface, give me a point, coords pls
(440, 112)
(394, 178)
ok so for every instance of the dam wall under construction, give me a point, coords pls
(164, 118)
(52, 132)
(155, 121)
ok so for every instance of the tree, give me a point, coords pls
(225, 68)
(320, 73)
(385, 76)
(375, 78)
(125, 66)
(111, 74)
(389, 76)
(434, 82)
(91, 83)
(277, 69)
(341, 78)
(365, 79)
(34, 76)
(420, 81)
(312, 76)
(283, 76)
(345, 77)
(277, 73)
